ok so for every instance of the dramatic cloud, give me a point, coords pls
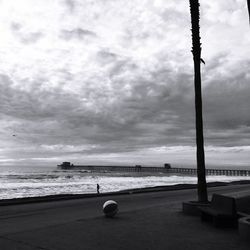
(112, 82)
(76, 33)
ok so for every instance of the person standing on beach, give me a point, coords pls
(98, 188)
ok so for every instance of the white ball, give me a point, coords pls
(110, 208)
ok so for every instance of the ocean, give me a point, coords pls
(17, 182)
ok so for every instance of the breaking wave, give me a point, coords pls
(17, 183)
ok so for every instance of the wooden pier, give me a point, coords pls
(227, 172)
(166, 169)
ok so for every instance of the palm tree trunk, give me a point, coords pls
(248, 5)
(196, 50)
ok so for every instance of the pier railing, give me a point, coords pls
(228, 172)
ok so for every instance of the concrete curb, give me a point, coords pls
(244, 228)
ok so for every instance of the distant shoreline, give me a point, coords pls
(61, 197)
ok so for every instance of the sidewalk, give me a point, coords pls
(152, 221)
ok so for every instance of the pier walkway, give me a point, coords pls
(166, 169)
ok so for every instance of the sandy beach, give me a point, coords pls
(146, 220)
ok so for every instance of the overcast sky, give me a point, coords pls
(111, 81)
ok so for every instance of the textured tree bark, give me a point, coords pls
(248, 5)
(196, 50)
